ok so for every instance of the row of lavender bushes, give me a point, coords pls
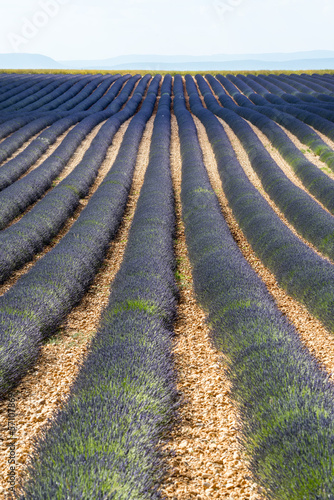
(299, 270)
(22, 193)
(285, 401)
(76, 102)
(14, 168)
(313, 222)
(58, 93)
(304, 133)
(52, 90)
(30, 87)
(15, 83)
(73, 95)
(35, 306)
(315, 181)
(105, 443)
(22, 240)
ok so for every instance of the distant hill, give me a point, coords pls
(248, 65)
(28, 61)
(317, 59)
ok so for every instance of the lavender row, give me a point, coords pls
(317, 182)
(18, 196)
(52, 107)
(21, 241)
(55, 99)
(85, 92)
(14, 168)
(93, 97)
(16, 84)
(18, 138)
(14, 102)
(323, 110)
(32, 85)
(59, 93)
(55, 88)
(102, 103)
(35, 306)
(58, 96)
(311, 221)
(301, 272)
(124, 397)
(285, 401)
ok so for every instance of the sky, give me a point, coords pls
(99, 29)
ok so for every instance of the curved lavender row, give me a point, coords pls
(28, 89)
(262, 95)
(323, 81)
(310, 83)
(35, 306)
(20, 242)
(13, 103)
(304, 87)
(58, 98)
(94, 97)
(18, 138)
(259, 100)
(299, 87)
(304, 92)
(300, 271)
(16, 84)
(324, 125)
(304, 133)
(124, 397)
(311, 221)
(105, 100)
(14, 168)
(18, 196)
(12, 124)
(100, 105)
(317, 182)
(280, 113)
(20, 83)
(57, 93)
(77, 99)
(285, 401)
(288, 94)
(54, 88)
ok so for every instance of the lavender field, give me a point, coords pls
(167, 286)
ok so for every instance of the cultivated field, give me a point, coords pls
(166, 286)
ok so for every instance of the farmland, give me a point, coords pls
(167, 286)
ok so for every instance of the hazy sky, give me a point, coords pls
(98, 29)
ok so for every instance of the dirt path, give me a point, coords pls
(205, 459)
(45, 388)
